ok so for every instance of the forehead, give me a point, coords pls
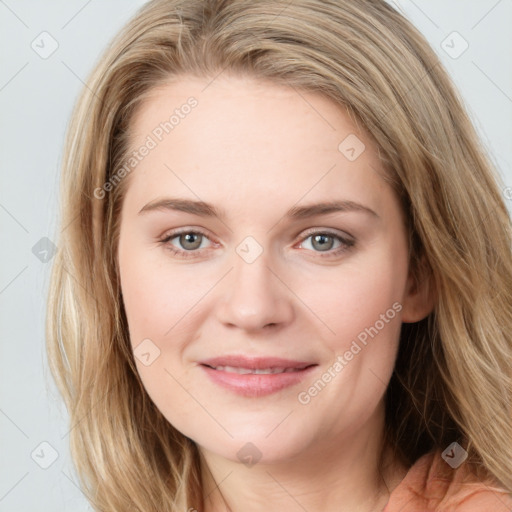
(246, 137)
(243, 105)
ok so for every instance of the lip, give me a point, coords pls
(256, 385)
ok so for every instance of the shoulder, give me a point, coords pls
(432, 485)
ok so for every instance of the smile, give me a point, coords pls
(254, 371)
(253, 376)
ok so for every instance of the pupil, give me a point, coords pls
(322, 238)
(189, 239)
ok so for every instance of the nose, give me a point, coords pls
(254, 296)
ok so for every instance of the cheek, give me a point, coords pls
(158, 302)
(361, 305)
(353, 298)
(159, 306)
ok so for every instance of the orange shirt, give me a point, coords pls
(431, 485)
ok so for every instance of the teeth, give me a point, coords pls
(258, 371)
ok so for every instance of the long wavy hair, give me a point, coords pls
(453, 378)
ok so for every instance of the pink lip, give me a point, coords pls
(252, 385)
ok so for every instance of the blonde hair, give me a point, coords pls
(452, 380)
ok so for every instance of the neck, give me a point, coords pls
(336, 474)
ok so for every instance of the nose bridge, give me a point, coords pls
(253, 296)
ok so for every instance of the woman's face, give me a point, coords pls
(231, 269)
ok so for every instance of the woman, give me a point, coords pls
(211, 357)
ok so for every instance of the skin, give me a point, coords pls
(255, 150)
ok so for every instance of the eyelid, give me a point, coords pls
(326, 231)
(169, 234)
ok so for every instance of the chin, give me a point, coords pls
(261, 443)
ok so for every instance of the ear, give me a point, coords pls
(420, 293)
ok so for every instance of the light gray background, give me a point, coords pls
(36, 97)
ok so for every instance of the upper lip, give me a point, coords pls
(256, 363)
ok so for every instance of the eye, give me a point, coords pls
(325, 241)
(188, 242)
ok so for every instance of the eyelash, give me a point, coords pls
(346, 243)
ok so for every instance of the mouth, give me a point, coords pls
(254, 371)
(256, 377)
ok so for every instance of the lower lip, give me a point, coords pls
(256, 385)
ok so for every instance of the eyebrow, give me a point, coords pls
(204, 209)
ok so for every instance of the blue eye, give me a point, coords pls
(189, 243)
(190, 240)
(323, 242)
